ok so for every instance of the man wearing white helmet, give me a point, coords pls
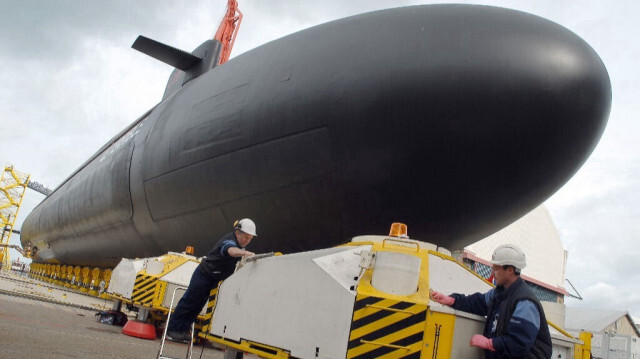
(216, 266)
(516, 326)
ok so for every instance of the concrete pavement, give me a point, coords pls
(38, 320)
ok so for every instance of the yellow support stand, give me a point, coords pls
(13, 184)
(62, 279)
(36, 271)
(75, 278)
(53, 276)
(58, 275)
(68, 278)
(94, 287)
(106, 278)
(50, 273)
(86, 279)
(41, 271)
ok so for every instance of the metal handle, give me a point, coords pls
(246, 260)
(362, 341)
(401, 241)
(391, 309)
(257, 256)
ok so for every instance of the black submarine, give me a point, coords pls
(454, 119)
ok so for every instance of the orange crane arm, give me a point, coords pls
(228, 30)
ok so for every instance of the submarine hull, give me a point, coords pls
(454, 119)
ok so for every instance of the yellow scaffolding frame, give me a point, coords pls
(13, 185)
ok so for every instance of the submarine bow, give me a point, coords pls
(454, 119)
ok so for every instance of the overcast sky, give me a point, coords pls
(70, 82)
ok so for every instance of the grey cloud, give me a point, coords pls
(602, 240)
(56, 30)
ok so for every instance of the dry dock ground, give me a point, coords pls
(36, 323)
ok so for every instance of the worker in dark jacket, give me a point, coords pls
(516, 326)
(216, 266)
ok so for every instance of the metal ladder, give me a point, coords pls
(166, 326)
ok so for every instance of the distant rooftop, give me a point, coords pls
(594, 320)
(591, 319)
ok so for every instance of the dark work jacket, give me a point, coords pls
(501, 304)
(218, 265)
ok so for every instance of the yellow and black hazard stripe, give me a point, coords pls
(209, 312)
(386, 328)
(143, 289)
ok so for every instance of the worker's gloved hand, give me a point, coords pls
(482, 342)
(442, 299)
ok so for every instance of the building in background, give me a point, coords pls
(538, 238)
(615, 334)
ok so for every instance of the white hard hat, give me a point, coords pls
(247, 226)
(509, 255)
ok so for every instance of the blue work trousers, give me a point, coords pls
(191, 302)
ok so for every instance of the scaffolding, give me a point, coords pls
(13, 184)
